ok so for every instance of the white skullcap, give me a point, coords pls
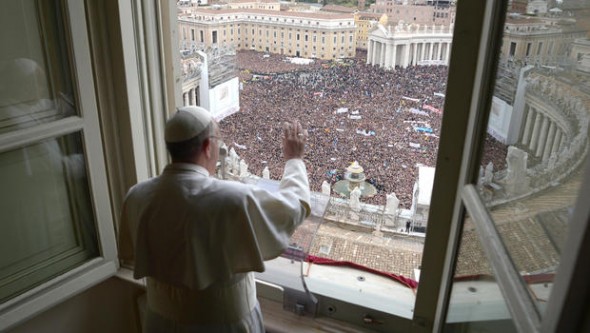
(186, 123)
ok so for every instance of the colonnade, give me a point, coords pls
(541, 134)
(191, 97)
(404, 53)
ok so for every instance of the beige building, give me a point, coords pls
(532, 7)
(580, 54)
(364, 22)
(260, 4)
(532, 40)
(419, 14)
(297, 34)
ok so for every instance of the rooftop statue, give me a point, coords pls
(383, 20)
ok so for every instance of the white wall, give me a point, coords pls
(106, 307)
(224, 99)
(499, 121)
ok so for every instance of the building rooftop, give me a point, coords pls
(314, 15)
(338, 9)
(253, 1)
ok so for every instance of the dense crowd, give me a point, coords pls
(388, 121)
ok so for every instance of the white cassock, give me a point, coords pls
(198, 239)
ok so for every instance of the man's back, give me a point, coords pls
(198, 239)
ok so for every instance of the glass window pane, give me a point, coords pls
(48, 224)
(537, 137)
(35, 78)
(476, 303)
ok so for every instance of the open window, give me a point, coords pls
(56, 233)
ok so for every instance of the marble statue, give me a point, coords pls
(265, 173)
(355, 196)
(392, 204)
(243, 168)
(488, 175)
(233, 158)
(326, 189)
(517, 180)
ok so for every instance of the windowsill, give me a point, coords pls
(276, 320)
(360, 288)
(126, 274)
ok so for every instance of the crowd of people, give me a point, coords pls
(388, 121)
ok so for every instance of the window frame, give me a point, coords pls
(432, 295)
(55, 290)
(566, 306)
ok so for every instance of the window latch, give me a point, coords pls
(300, 302)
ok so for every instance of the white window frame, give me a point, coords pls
(95, 270)
(567, 305)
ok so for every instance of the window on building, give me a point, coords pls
(512, 49)
(528, 49)
(214, 37)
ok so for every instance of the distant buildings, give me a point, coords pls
(397, 11)
(365, 23)
(538, 40)
(320, 35)
(580, 54)
(529, 43)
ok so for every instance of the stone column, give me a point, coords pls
(526, 134)
(415, 54)
(394, 55)
(185, 98)
(536, 130)
(422, 47)
(556, 139)
(407, 55)
(439, 51)
(382, 55)
(376, 47)
(430, 51)
(549, 142)
(388, 56)
(448, 56)
(369, 50)
(562, 141)
(542, 137)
